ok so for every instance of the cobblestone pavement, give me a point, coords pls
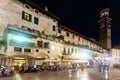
(71, 74)
(115, 74)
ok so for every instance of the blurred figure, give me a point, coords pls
(82, 66)
(100, 67)
(12, 70)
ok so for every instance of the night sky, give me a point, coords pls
(82, 16)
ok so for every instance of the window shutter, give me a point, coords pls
(35, 20)
(64, 50)
(30, 17)
(23, 14)
(68, 51)
(53, 28)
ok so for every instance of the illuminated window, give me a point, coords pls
(26, 16)
(106, 13)
(102, 14)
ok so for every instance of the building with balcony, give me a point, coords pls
(30, 35)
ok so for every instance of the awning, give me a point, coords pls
(55, 57)
(2, 54)
(70, 57)
(21, 56)
(51, 60)
(41, 56)
(91, 60)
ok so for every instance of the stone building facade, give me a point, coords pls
(31, 35)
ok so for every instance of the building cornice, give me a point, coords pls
(39, 8)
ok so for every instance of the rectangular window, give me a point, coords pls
(73, 36)
(53, 28)
(36, 20)
(17, 49)
(72, 50)
(78, 38)
(40, 43)
(75, 50)
(27, 50)
(46, 45)
(26, 16)
(68, 51)
(64, 51)
(67, 34)
(59, 31)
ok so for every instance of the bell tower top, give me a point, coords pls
(105, 28)
(104, 13)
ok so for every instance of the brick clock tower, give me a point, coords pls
(105, 28)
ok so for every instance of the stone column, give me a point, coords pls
(8, 62)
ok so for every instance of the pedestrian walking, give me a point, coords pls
(82, 66)
(100, 67)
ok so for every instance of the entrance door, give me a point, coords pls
(19, 62)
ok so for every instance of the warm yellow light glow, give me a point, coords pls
(84, 54)
(17, 77)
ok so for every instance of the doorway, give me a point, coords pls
(19, 62)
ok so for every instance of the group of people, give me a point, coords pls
(4, 71)
(102, 67)
(35, 68)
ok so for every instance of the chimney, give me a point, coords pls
(46, 8)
